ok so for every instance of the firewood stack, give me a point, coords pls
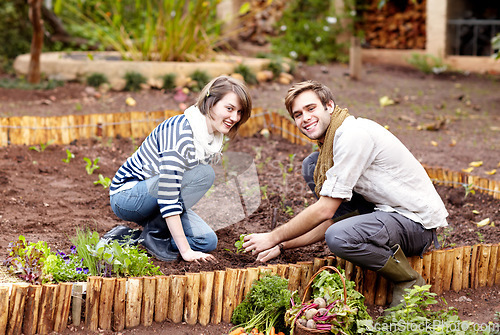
(260, 22)
(397, 25)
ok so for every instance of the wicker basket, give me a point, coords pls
(301, 330)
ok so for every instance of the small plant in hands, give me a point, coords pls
(69, 156)
(91, 165)
(42, 146)
(239, 244)
(104, 181)
(264, 306)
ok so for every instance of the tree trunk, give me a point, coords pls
(35, 13)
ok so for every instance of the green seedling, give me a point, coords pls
(263, 189)
(42, 146)
(69, 156)
(239, 244)
(104, 181)
(291, 157)
(91, 165)
(284, 172)
(469, 189)
(289, 210)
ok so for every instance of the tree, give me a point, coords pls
(35, 15)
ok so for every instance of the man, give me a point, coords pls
(361, 169)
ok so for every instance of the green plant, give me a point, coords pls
(162, 30)
(480, 237)
(263, 189)
(134, 80)
(64, 267)
(275, 67)
(427, 63)
(495, 45)
(91, 165)
(284, 172)
(308, 31)
(96, 79)
(246, 73)
(21, 83)
(264, 306)
(168, 81)
(469, 189)
(239, 244)
(104, 181)
(418, 317)
(42, 146)
(289, 210)
(200, 78)
(69, 156)
(291, 158)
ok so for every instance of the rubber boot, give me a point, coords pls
(399, 271)
(122, 234)
(156, 239)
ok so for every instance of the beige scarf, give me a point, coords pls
(325, 158)
(206, 144)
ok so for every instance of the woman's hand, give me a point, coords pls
(197, 256)
(269, 254)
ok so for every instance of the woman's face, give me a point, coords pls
(224, 114)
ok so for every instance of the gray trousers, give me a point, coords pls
(366, 239)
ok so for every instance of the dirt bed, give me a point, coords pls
(46, 199)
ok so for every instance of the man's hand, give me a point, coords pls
(258, 242)
(197, 256)
(269, 254)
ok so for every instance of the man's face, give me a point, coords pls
(310, 116)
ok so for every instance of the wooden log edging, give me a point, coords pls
(210, 297)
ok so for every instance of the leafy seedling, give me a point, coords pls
(104, 181)
(42, 146)
(91, 165)
(469, 189)
(69, 156)
(239, 244)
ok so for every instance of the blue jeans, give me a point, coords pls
(140, 205)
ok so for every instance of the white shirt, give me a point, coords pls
(371, 161)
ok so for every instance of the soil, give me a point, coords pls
(446, 121)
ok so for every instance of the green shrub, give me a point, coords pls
(168, 81)
(246, 73)
(495, 45)
(134, 81)
(96, 79)
(201, 78)
(308, 30)
(24, 85)
(427, 63)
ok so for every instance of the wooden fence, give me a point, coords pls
(206, 297)
(211, 297)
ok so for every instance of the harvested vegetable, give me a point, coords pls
(264, 307)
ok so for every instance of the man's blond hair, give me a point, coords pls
(323, 92)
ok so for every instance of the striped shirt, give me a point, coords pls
(168, 151)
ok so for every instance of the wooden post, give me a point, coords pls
(427, 267)
(133, 302)
(252, 275)
(305, 275)
(318, 263)
(106, 302)
(46, 312)
(4, 308)
(474, 264)
(282, 270)
(148, 301)
(92, 302)
(177, 293)
(349, 270)
(162, 298)
(437, 271)
(483, 264)
(355, 64)
(229, 296)
(381, 292)
(119, 304)
(294, 275)
(76, 304)
(31, 309)
(241, 277)
(493, 268)
(192, 298)
(16, 307)
(217, 297)
(466, 267)
(206, 288)
(63, 305)
(457, 279)
(369, 286)
(448, 269)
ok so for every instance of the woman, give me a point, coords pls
(170, 172)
